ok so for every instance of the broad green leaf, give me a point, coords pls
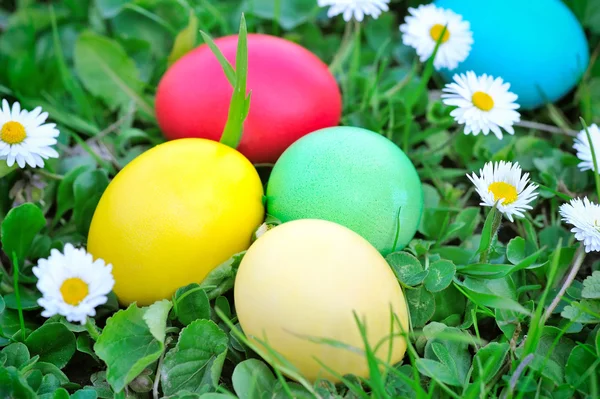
(421, 305)
(459, 256)
(85, 394)
(515, 250)
(487, 234)
(110, 8)
(444, 356)
(195, 363)
(85, 345)
(252, 378)
(88, 189)
(61, 393)
(50, 383)
(49, 368)
(591, 286)
(585, 312)
(448, 302)
(437, 371)
(28, 297)
(491, 357)
(450, 346)
(107, 72)
(156, 318)
(440, 275)
(34, 379)
(127, 346)
(17, 354)
(407, 268)
(191, 303)
(19, 228)
(185, 40)
(14, 385)
(471, 218)
(580, 361)
(220, 279)
(65, 198)
(53, 342)
(483, 296)
(289, 13)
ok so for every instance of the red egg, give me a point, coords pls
(293, 94)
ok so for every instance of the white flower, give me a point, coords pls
(584, 151)
(483, 104)
(585, 217)
(24, 138)
(72, 284)
(354, 8)
(502, 185)
(423, 28)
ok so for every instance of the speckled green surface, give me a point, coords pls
(350, 176)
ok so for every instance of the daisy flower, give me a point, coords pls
(502, 185)
(423, 28)
(72, 284)
(584, 151)
(483, 104)
(24, 137)
(585, 217)
(354, 8)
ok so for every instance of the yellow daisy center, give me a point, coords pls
(436, 31)
(503, 191)
(13, 132)
(482, 100)
(74, 290)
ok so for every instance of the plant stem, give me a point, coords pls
(342, 53)
(18, 294)
(91, 328)
(546, 128)
(579, 257)
(49, 175)
(495, 226)
(157, 376)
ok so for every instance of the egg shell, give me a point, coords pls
(293, 94)
(172, 215)
(304, 279)
(538, 46)
(351, 176)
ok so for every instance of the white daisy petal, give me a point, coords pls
(502, 185)
(584, 150)
(584, 215)
(356, 9)
(72, 283)
(423, 28)
(483, 104)
(24, 138)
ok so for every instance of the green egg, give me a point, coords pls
(353, 177)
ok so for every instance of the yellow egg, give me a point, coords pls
(305, 278)
(173, 214)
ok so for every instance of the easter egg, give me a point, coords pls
(351, 176)
(173, 214)
(293, 94)
(304, 279)
(538, 46)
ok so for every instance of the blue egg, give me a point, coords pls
(538, 46)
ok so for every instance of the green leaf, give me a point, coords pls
(185, 40)
(127, 346)
(107, 72)
(591, 286)
(28, 297)
(13, 385)
(478, 292)
(191, 303)
(586, 311)
(156, 318)
(19, 228)
(471, 218)
(53, 342)
(252, 378)
(421, 306)
(515, 250)
(487, 234)
(88, 189)
(65, 198)
(227, 68)
(220, 279)
(51, 369)
(85, 394)
(17, 354)
(407, 268)
(110, 8)
(581, 360)
(288, 13)
(50, 383)
(195, 363)
(437, 371)
(85, 345)
(491, 357)
(440, 275)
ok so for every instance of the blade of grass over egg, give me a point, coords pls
(227, 68)
(594, 160)
(239, 105)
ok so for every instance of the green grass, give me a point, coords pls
(490, 327)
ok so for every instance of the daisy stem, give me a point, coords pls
(496, 222)
(92, 329)
(18, 294)
(594, 160)
(49, 175)
(342, 54)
